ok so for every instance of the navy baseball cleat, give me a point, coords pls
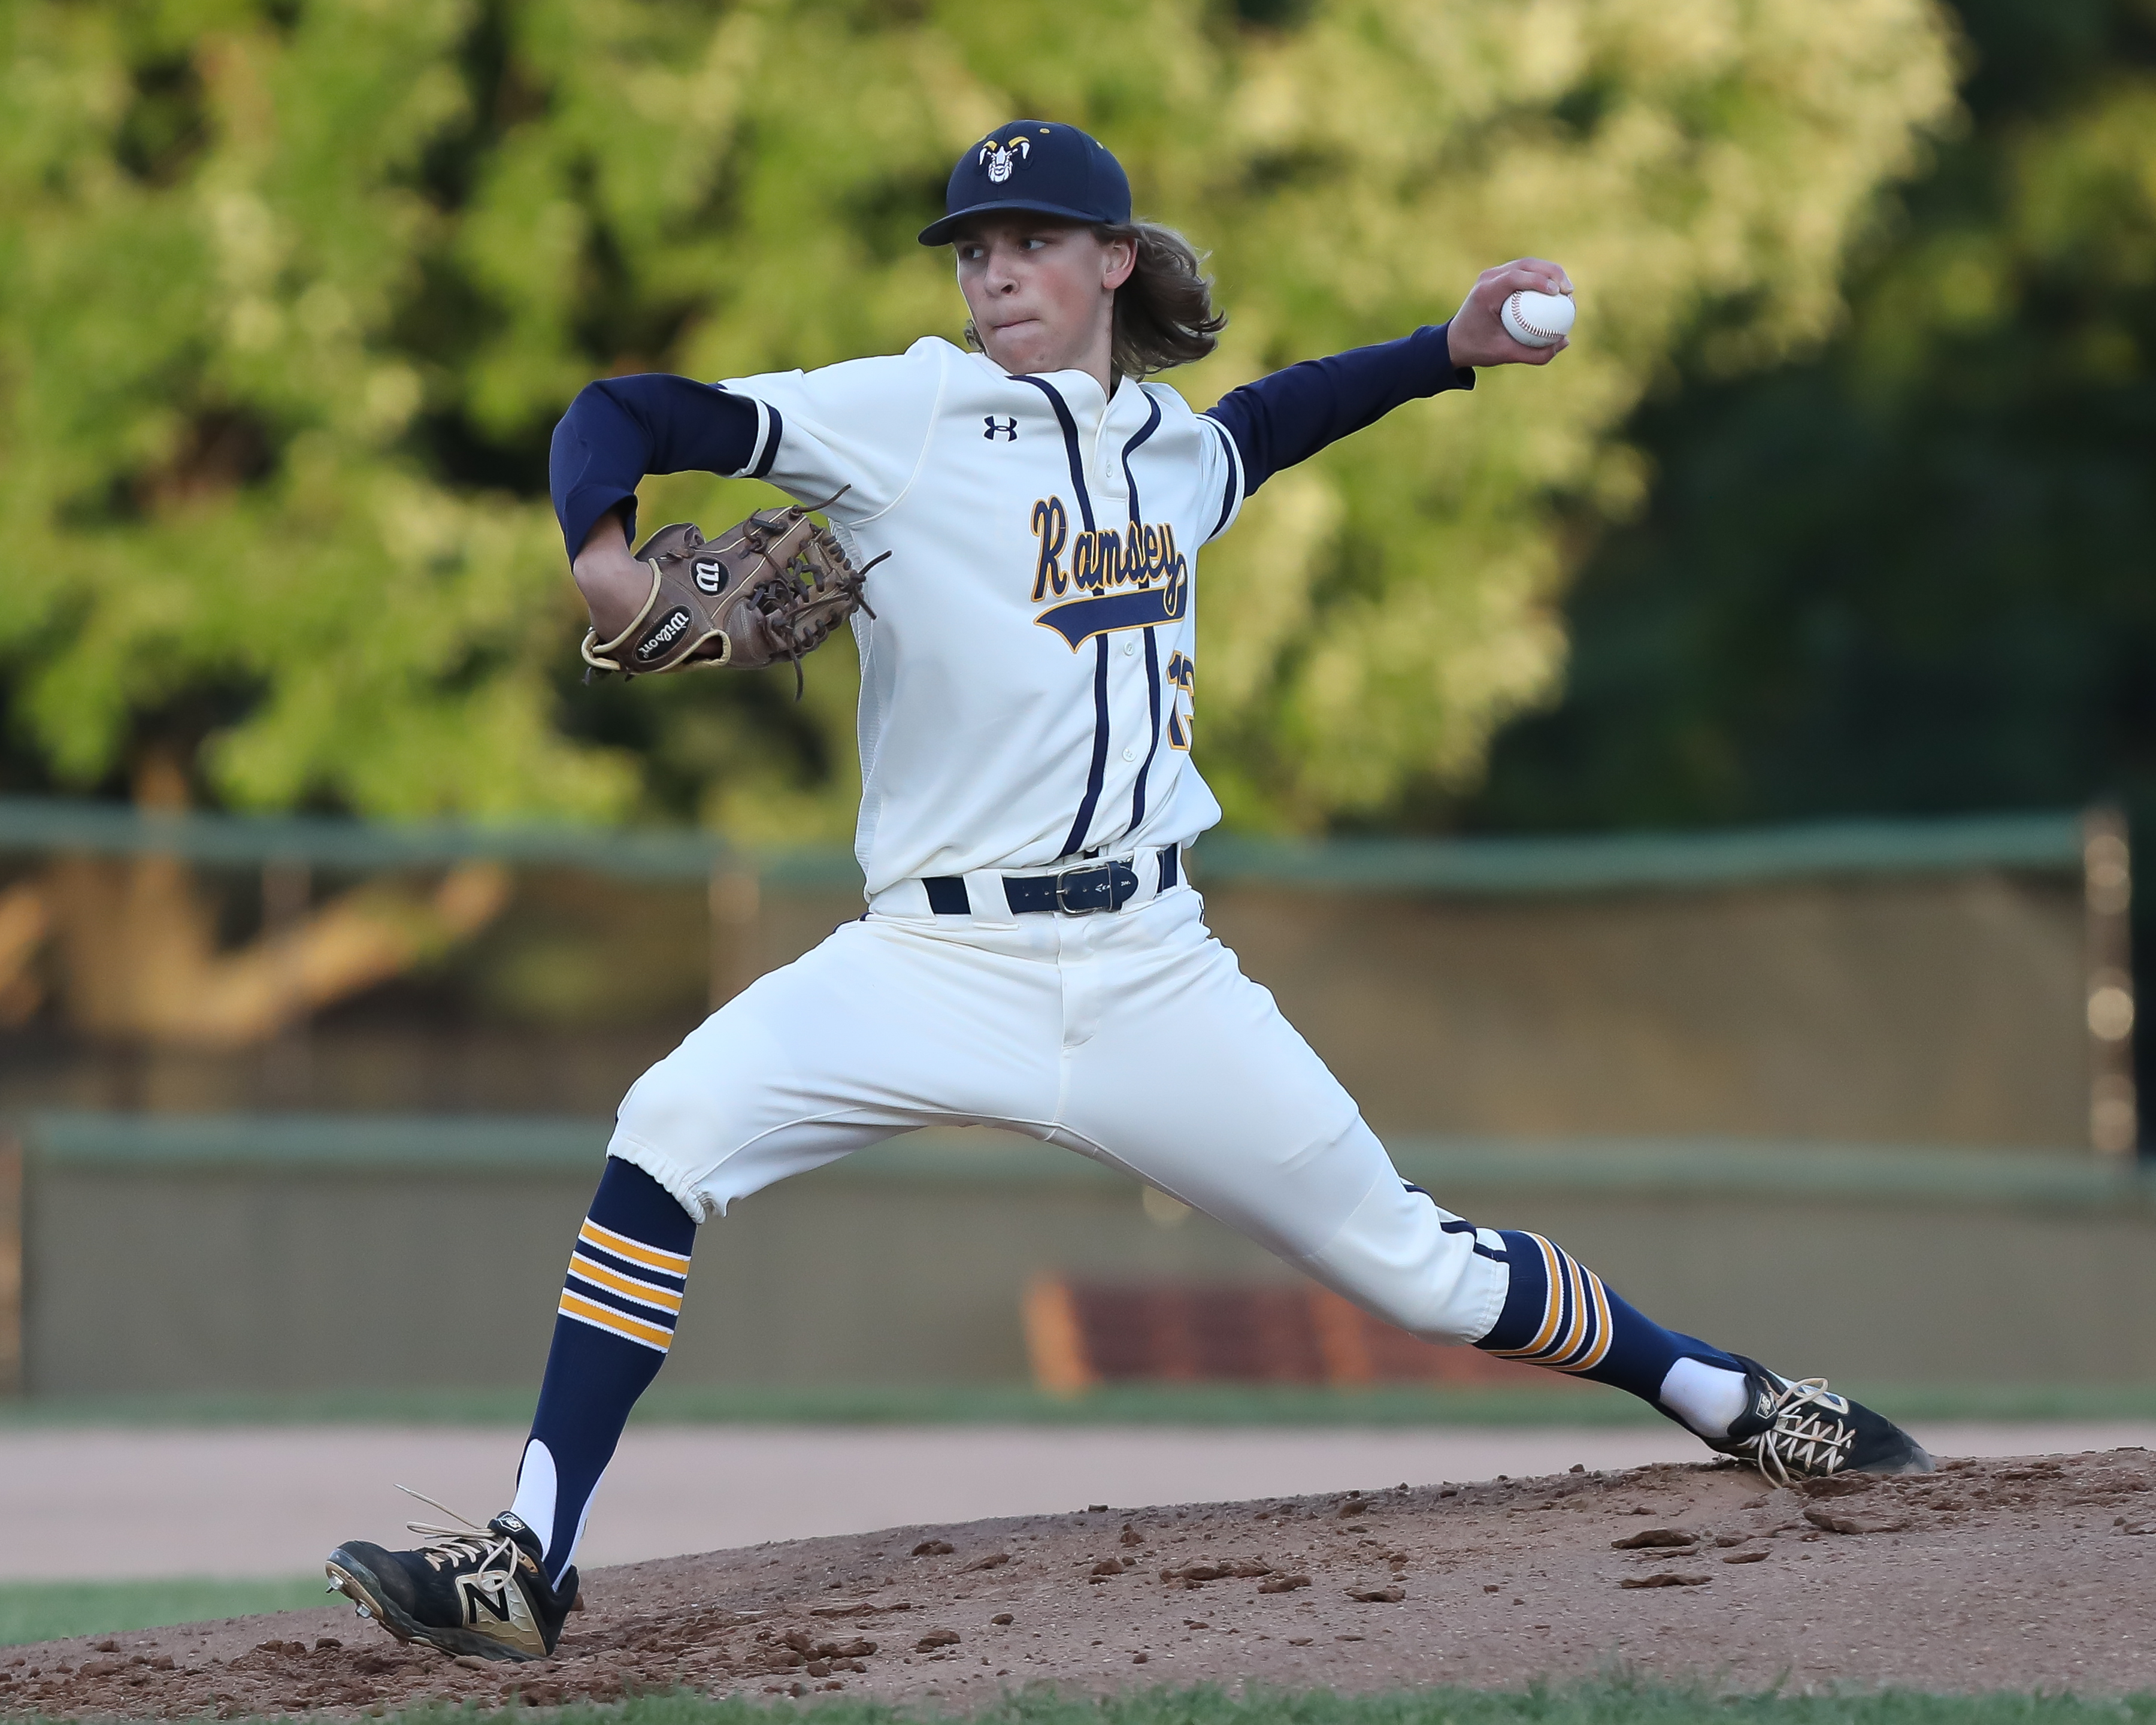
(1793, 1430)
(472, 1590)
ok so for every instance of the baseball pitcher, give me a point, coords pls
(1013, 538)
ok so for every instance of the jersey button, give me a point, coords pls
(1130, 754)
(1129, 648)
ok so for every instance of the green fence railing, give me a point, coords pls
(2048, 842)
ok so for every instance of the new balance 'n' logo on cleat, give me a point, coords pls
(1801, 1430)
(478, 1590)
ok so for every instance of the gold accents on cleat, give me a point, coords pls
(471, 1591)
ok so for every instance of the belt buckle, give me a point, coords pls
(1103, 874)
(1063, 891)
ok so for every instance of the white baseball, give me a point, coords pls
(1536, 320)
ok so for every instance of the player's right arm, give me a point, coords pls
(1289, 415)
(1478, 333)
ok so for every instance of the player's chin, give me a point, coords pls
(1017, 347)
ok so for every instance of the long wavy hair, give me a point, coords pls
(1164, 314)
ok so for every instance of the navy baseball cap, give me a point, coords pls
(1034, 165)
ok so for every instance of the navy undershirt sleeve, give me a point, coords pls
(1290, 415)
(621, 428)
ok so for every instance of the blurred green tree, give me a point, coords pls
(1915, 571)
(211, 220)
(291, 292)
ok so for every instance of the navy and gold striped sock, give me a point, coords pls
(617, 1283)
(615, 1321)
(1560, 1314)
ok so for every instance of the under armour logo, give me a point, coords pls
(1007, 429)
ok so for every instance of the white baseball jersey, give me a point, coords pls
(1027, 681)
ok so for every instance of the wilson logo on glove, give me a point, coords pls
(661, 638)
(771, 587)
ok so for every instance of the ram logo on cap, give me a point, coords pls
(1002, 158)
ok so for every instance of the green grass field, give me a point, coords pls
(46, 1610)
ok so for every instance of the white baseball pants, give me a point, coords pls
(1132, 1037)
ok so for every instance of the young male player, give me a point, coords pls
(1032, 957)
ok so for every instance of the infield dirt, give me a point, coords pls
(2019, 1573)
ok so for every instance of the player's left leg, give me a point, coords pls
(1189, 1076)
(619, 1302)
(503, 1591)
(890, 1024)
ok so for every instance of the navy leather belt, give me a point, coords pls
(1076, 892)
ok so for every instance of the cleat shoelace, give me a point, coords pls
(470, 1542)
(1810, 1436)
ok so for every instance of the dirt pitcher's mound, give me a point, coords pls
(2014, 1574)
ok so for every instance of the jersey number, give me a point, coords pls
(1181, 675)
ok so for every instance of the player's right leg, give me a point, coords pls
(882, 1029)
(1560, 1314)
(1197, 1083)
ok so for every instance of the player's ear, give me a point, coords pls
(1120, 260)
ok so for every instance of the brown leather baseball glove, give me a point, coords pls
(771, 587)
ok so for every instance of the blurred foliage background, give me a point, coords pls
(1840, 504)
(1912, 570)
(292, 292)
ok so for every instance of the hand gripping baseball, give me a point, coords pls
(771, 587)
(1478, 336)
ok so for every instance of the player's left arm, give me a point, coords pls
(1289, 415)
